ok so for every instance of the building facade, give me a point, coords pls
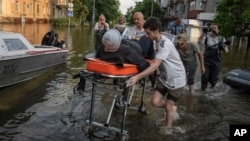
(31, 11)
(196, 14)
(204, 10)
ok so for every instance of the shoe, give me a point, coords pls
(166, 130)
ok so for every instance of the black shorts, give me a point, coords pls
(173, 94)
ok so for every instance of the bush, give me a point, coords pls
(64, 22)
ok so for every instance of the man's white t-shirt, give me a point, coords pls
(133, 33)
(172, 71)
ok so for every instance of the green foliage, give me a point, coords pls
(64, 22)
(109, 9)
(80, 11)
(83, 10)
(59, 21)
(106, 7)
(145, 8)
(234, 17)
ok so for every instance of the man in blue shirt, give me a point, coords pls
(176, 27)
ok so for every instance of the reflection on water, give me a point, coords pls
(45, 108)
(238, 57)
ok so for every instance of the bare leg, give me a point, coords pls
(170, 110)
(169, 106)
(157, 100)
(191, 89)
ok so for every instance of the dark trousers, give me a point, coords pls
(211, 74)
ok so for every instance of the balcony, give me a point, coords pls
(61, 3)
(171, 3)
(179, 1)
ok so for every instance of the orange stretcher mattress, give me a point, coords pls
(103, 67)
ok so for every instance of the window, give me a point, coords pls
(24, 7)
(31, 8)
(17, 6)
(37, 9)
(48, 7)
(192, 5)
(14, 44)
(1, 5)
(201, 4)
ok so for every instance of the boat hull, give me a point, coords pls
(19, 69)
(238, 78)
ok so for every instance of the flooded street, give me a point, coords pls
(46, 109)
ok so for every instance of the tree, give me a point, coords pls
(234, 18)
(80, 11)
(83, 9)
(109, 9)
(145, 8)
(106, 7)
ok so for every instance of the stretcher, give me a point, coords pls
(95, 71)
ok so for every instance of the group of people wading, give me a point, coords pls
(175, 61)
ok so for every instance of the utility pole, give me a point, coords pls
(152, 8)
(93, 18)
(70, 10)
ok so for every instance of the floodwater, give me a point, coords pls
(45, 108)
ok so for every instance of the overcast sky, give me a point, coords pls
(125, 4)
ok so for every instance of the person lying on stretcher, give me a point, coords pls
(117, 50)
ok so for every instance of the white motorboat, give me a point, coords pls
(21, 61)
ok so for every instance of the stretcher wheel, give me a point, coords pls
(124, 138)
(119, 102)
(87, 129)
(77, 90)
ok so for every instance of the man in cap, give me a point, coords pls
(188, 51)
(117, 50)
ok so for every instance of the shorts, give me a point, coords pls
(190, 76)
(173, 94)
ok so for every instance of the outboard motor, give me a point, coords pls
(51, 39)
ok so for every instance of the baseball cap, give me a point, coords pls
(181, 38)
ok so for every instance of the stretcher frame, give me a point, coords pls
(127, 94)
